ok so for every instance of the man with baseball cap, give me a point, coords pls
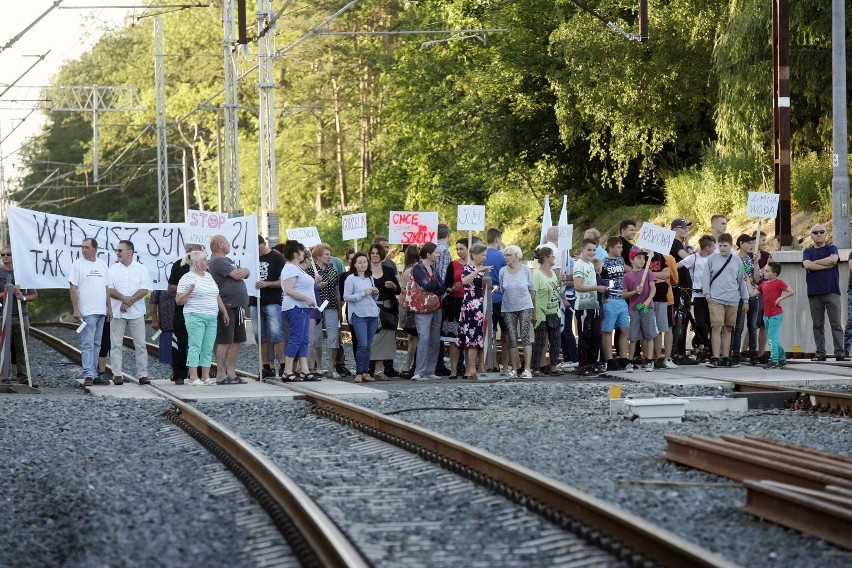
(681, 250)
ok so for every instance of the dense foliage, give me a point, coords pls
(557, 104)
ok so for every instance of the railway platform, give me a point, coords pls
(800, 373)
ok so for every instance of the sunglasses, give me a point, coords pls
(6, 254)
(119, 251)
(817, 232)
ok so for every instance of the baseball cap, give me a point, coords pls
(680, 223)
(744, 239)
(636, 252)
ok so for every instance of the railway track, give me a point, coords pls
(625, 536)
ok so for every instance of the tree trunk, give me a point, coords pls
(338, 127)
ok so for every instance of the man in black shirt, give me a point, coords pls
(681, 250)
(268, 323)
(627, 232)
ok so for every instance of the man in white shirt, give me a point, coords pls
(696, 263)
(129, 282)
(90, 302)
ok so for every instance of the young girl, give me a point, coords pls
(774, 290)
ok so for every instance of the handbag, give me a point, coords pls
(553, 321)
(418, 300)
(388, 317)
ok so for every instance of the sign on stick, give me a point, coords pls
(470, 218)
(201, 226)
(354, 226)
(762, 204)
(566, 237)
(412, 227)
(655, 238)
(308, 236)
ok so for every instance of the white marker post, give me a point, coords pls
(354, 228)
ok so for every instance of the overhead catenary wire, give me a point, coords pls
(32, 24)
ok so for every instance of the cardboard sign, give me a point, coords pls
(655, 238)
(45, 245)
(201, 226)
(762, 204)
(412, 227)
(470, 218)
(566, 237)
(308, 236)
(354, 226)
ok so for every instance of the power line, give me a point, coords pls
(15, 39)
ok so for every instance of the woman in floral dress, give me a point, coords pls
(471, 335)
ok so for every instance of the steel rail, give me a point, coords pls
(620, 532)
(314, 536)
(740, 464)
(826, 515)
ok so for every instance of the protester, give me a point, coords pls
(662, 273)
(568, 339)
(297, 300)
(695, 264)
(361, 294)
(232, 288)
(616, 314)
(681, 250)
(725, 289)
(747, 347)
(180, 340)
(638, 289)
(774, 290)
(471, 335)
(20, 317)
(587, 308)
(332, 314)
(162, 312)
(88, 282)
(199, 295)
(452, 304)
(409, 326)
(518, 288)
(427, 318)
(128, 283)
(390, 268)
(494, 259)
(595, 235)
(546, 321)
(823, 282)
(268, 330)
(627, 232)
(384, 343)
(718, 226)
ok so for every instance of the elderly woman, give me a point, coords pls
(361, 293)
(546, 320)
(198, 293)
(516, 282)
(296, 304)
(331, 315)
(412, 257)
(471, 336)
(453, 302)
(428, 322)
(384, 344)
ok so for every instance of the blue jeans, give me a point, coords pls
(365, 331)
(201, 329)
(269, 325)
(773, 336)
(300, 332)
(90, 343)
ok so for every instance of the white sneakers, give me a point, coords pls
(669, 364)
(526, 374)
(649, 367)
(512, 375)
(629, 367)
(419, 378)
(197, 383)
(566, 366)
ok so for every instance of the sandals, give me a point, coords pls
(310, 377)
(358, 379)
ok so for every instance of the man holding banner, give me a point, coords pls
(18, 370)
(91, 306)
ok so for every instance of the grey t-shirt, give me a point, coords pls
(516, 289)
(7, 277)
(233, 292)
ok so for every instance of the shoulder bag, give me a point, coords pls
(418, 300)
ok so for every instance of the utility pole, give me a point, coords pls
(840, 158)
(232, 166)
(781, 117)
(160, 93)
(266, 118)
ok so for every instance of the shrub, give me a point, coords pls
(810, 183)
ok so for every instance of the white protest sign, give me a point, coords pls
(354, 226)
(566, 237)
(45, 245)
(308, 236)
(412, 227)
(761, 204)
(201, 226)
(655, 238)
(470, 218)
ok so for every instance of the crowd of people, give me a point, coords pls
(610, 306)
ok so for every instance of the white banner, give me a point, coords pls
(566, 237)
(655, 238)
(412, 227)
(761, 204)
(470, 218)
(308, 236)
(45, 245)
(201, 226)
(354, 226)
